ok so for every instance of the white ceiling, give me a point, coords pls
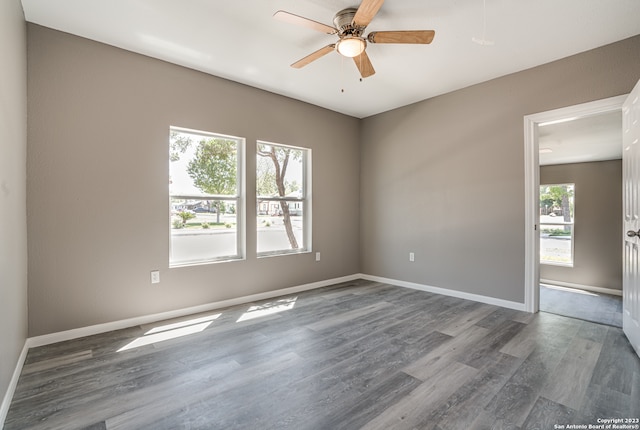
(239, 40)
(592, 138)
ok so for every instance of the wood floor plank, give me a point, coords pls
(412, 410)
(513, 403)
(498, 317)
(378, 397)
(570, 380)
(346, 381)
(485, 351)
(485, 421)
(467, 320)
(603, 402)
(99, 405)
(337, 320)
(97, 426)
(593, 332)
(351, 355)
(434, 361)
(56, 362)
(546, 414)
(97, 344)
(549, 329)
(193, 392)
(617, 363)
(634, 410)
(469, 401)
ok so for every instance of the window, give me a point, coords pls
(283, 199)
(206, 197)
(556, 224)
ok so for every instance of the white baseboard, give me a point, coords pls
(602, 290)
(62, 336)
(6, 400)
(445, 292)
(48, 339)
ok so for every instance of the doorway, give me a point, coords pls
(534, 136)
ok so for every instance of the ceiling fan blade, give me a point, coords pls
(417, 36)
(366, 11)
(313, 56)
(304, 22)
(364, 65)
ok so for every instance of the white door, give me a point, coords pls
(631, 211)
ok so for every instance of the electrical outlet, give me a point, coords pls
(155, 276)
(412, 257)
(317, 256)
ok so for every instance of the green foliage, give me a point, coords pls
(177, 224)
(265, 177)
(228, 225)
(556, 232)
(205, 225)
(213, 168)
(558, 197)
(292, 186)
(186, 216)
(555, 195)
(178, 145)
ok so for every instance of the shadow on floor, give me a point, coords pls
(584, 305)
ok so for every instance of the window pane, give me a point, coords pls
(556, 223)
(282, 198)
(273, 233)
(279, 171)
(202, 230)
(556, 244)
(203, 166)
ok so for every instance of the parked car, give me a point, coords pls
(204, 210)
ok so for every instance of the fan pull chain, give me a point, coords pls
(342, 73)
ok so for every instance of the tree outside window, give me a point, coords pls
(282, 198)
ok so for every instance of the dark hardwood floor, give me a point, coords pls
(350, 356)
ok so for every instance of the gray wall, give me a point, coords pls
(99, 122)
(13, 197)
(444, 178)
(598, 223)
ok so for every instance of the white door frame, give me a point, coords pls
(532, 185)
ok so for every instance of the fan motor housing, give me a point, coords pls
(343, 20)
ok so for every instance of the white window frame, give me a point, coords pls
(239, 199)
(306, 201)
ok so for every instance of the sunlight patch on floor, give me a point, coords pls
(571, 290)
(171, 331)
(269, 308)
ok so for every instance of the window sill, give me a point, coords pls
(282, 253)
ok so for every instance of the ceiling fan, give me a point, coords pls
(349, 25)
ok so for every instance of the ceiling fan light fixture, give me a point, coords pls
(351, 46)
